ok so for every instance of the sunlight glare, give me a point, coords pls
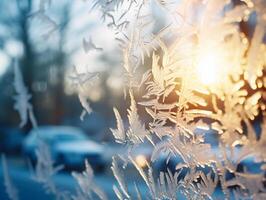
(141, 161)
(207, 68)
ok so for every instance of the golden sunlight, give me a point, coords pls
(208, 68)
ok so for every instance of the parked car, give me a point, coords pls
(68, 146)
(10, 140)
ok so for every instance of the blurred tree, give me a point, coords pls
(46, 43)
(14, 23)
(60, 61)
(17, 24)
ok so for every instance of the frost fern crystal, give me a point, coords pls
(201, 69)
(205, 71)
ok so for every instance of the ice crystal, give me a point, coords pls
(45, 18)
(45, 170)
(120, 179)
(79, 81)
(11, 190)
(22, 104)
(86, 187)
(89, 45)
(136, 132)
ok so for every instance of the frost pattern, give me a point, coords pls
(45, 170)
(79, 81)
(176, 95)
(136, 132)
(22, 104)
(86, 187)
(11, 190)
(89, 45)
(44, 18)
(197, 33)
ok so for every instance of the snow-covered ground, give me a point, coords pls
(28, 189)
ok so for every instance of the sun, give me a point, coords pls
(207, 68)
